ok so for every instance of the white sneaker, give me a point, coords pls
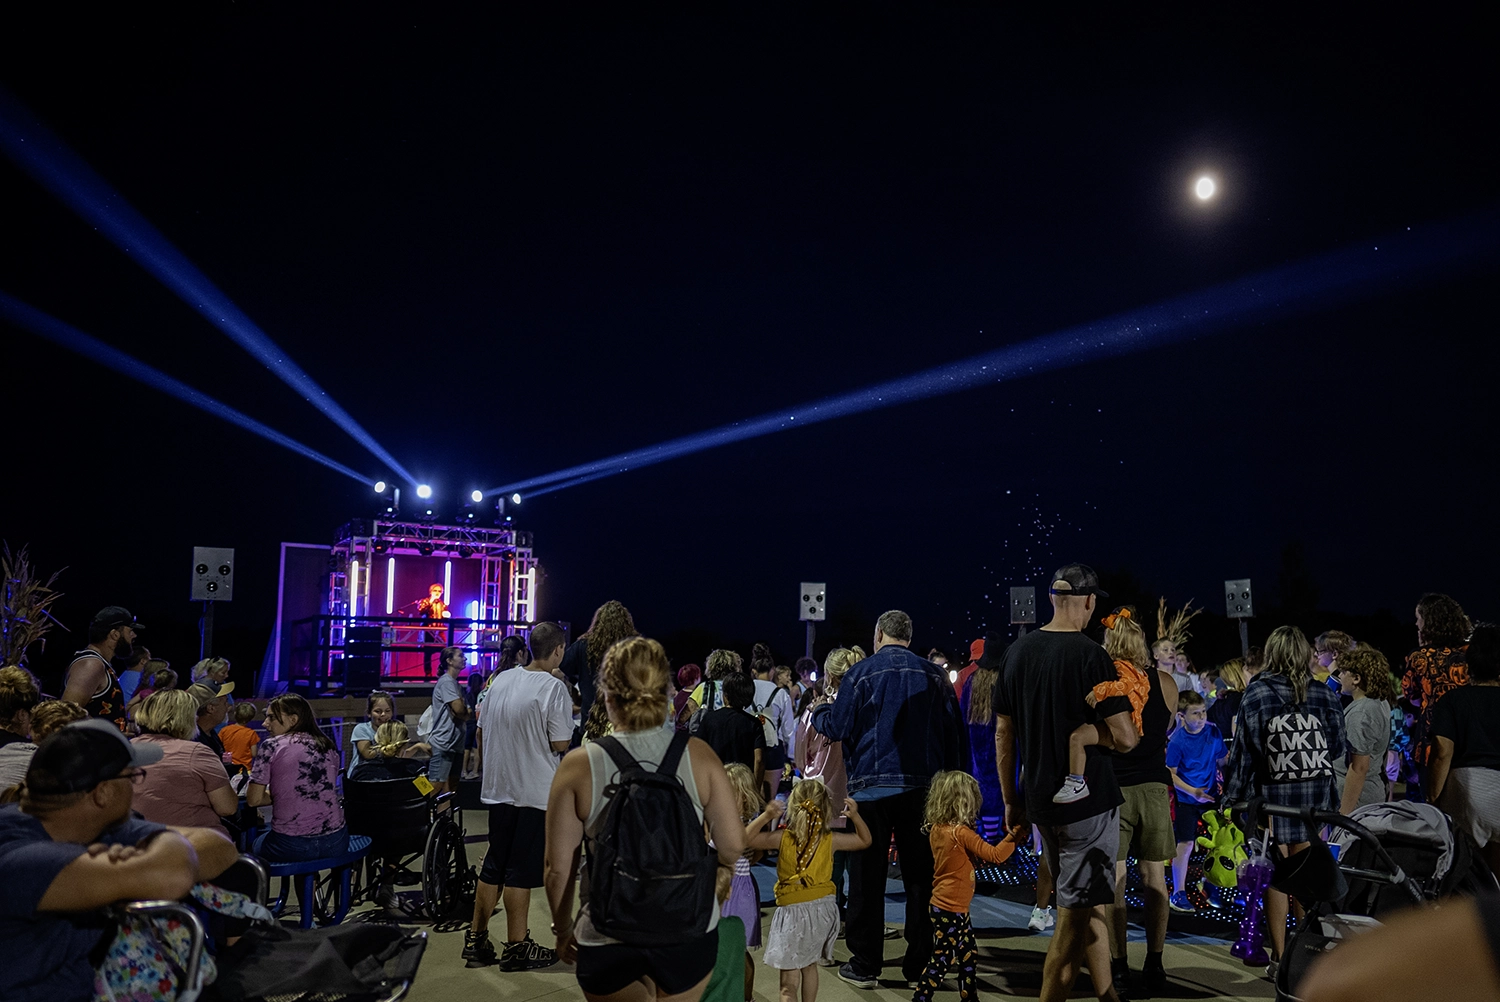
(1041, 918)
(1072, 789)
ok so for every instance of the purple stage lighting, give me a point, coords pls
(76, 340)
(1383, 264)
(49, 161)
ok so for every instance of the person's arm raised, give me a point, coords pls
(165, 867)
(843, 842)
(756, 837)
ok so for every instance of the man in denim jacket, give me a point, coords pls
(898, 721)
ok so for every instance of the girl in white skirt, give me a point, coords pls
(806, 922)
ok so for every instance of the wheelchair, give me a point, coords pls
(405, 824)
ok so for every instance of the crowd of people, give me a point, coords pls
(640, 798)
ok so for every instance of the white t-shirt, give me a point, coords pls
(774, 702)
(523, 713)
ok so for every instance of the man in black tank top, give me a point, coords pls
(1146, 830)
(90, 681)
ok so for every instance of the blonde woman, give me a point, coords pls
(1145, 784)
(19, 695)
(188, 787)
(634, 679)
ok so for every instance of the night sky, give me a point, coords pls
(514, 245)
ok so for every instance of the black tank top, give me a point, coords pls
(1147, 761)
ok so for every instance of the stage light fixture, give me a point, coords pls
(425, 548)
(477, 497)
(391, 496)
(424, 492)
(382, 545)
(465, 552)
(515, 499)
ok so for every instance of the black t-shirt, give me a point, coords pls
(1469, 716)
(1043, 682)
(733, 735)
(210, 740)
(1147, 761)
(1222, 712)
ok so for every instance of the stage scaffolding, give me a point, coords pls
(353, 624)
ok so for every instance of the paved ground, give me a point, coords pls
(1010, 966)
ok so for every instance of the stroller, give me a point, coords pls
(1416, 858)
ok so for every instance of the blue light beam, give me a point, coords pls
(75, 340)
(1318, 282)
(58, 169)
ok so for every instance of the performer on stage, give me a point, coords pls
(433, 607)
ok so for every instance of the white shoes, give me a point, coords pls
(1041, 918)
(1072, 790)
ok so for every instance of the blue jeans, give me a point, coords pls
(274, 847)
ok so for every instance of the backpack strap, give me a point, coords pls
(674, 754)
(624, 761)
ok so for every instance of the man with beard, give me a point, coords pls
(91, 681)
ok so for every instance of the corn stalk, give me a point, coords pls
(26, 599)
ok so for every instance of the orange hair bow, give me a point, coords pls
(1109, 621)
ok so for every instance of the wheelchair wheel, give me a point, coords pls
(327, 894)
(447, 879)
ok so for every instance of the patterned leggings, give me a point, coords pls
(952, 946)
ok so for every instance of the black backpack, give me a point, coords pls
(651, 873)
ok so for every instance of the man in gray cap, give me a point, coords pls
(71, 847)
(213, 707)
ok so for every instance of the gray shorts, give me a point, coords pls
(1081, 857)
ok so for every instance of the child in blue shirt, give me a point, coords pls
(1194, 754)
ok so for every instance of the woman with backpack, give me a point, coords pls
(640, 797)
(1289, 731)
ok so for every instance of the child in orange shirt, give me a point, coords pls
(953, 802)
(1124, 641)
(240, 738)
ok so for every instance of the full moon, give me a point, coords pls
(1205, 188)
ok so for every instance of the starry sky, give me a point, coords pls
(511, 244)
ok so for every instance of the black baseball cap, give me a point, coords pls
(84, 754)
(112, 616)
(1076, 579)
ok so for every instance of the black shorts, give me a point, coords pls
(1185, 822)
(604, 970)
(773, 758)
(518, 843)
